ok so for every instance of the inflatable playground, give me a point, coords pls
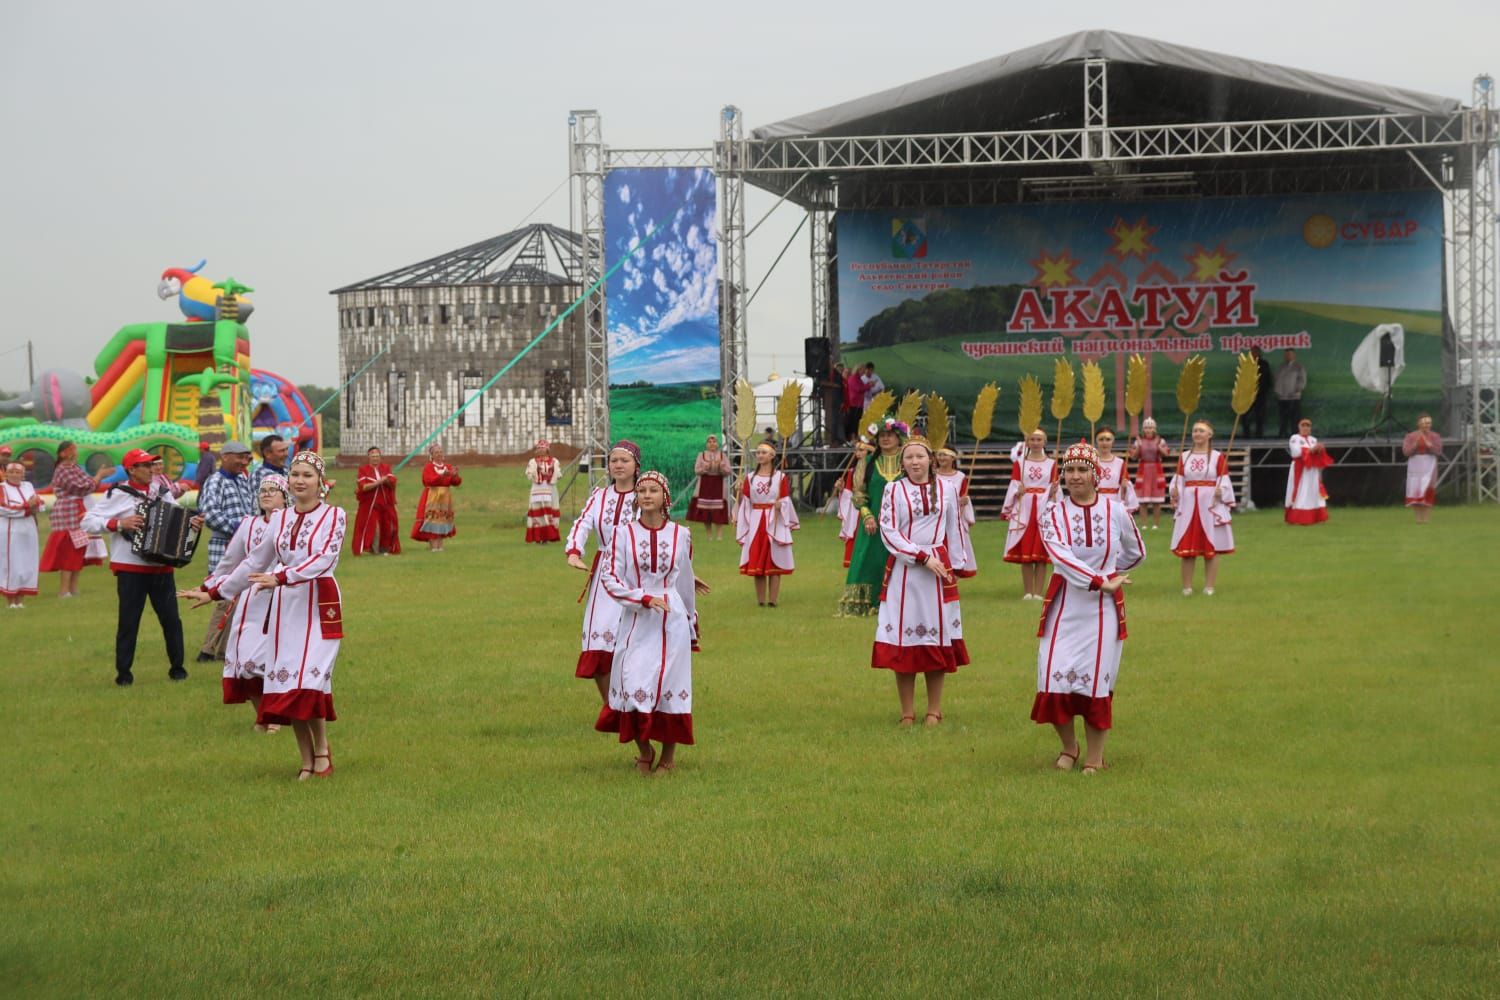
(169, 388)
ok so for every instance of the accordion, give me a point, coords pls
(168, 537)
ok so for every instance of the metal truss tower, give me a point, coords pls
(728, 163)
(586, 168)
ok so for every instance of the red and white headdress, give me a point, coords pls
(544, 443)
(1082, 453)
(313, 459)
(656, 477)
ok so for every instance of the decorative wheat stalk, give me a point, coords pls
(1064, 385)
(984, 414)
(1189, 391)
(744, 422)
(1093, 395)
(1029, 413)
(937, 421)
(786, 415)
(1246, 380)
(911, 406)
(881, 403)
(1135, 385)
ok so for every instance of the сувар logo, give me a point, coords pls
(908, 239)
(1321, 230)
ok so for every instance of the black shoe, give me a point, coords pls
(206, 657)
(124, 680)
(177, 674)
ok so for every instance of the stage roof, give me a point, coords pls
(1150, 83)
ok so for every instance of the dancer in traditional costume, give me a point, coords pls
(920, 630)
(1093, 543)
(946, 460)
(871, 476)
(649, 573)
(295, 559)
(247, 644)
(377, 526)
(1114, 474)
(607, 508)
(763, 524)
(434, 522)
(848, 514)
(1150, 452)
(1202, 501)
(542, 516)
(1306, 498)
(19, 546)
(1422, 448)
(1032, 482)
(67, 544)
(710, 497)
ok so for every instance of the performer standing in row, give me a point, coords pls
(871, 476)
(608, 507)
(1422, 448)
(1031, 482)
(920, 630)
(136, 580)
(19, 547)
(1093, 543)
(649, 574)
(542, 514)
(1150, 452)
(709, 504)
(377, 527)
(295, 560)
(848, 514)
(764, 522)
(1114, 476)
(948, 471)
(1202, 499)
(247, 646)
(434, 523)
(67, 542)
(1306, 499)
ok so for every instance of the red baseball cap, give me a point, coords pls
(137, 456)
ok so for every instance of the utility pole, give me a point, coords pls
(30, 368)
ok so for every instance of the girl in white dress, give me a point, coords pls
(607, 508)
(20, 546)
(650, 574)
(542, 514)
(920, 629)
(1202, 504)
(1306, 499)
(764, 520)
(946, 460)
(1031, 487)
(1422, 448)
(1093, 543)
(1114, 480)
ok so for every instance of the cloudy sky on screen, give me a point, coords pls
(302, 146)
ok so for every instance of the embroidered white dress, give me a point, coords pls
(1025, 499)
(20, 551)
(1205, 499)
(246, 650)
(542, 516)
(304, 620)
(1306, 500)
(1114, 483)
(920, 628)
(1082, 628)
(605, 512)
(764, 521)
(651, 676)
(960, 483)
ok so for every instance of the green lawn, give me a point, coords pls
(1302, 801)
(670, 423)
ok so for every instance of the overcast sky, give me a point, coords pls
(302, 146)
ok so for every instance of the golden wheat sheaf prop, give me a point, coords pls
(910, 407)
(1190, 384)
(1246, 382)
(1135, 385)
(937, 421)
(984, 411)
(786, 410)
(744, 411)
(1093, 393)
(876, 410)
(1029, 415)
(1064, 388)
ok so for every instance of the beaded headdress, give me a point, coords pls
(1082, 453)
(630, 448)
(278, 483)
(660, 480)
(315, 460)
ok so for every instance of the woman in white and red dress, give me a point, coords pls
(1203, 501)
(1093, 542)
(1114, 476)
(709, 504)
(607, 508)
(19, 539)
(920, 629)
(1306, 499)
(1422, 448)
(649, 573)
(1150, 452)
(946, 461)
(435, 521)
(542, 516)
(764, 522)
(295, 560)
(247, 649)
(848, 514)
(1031, 482)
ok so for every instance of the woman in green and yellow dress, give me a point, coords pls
(867, 565)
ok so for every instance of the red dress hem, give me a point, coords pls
(238, 690)
(61, 555)
(1058, 709)
(299, 705)
(919, 659)
(1300, 515)
(1030, 548)
(664, 727)
(594, 663)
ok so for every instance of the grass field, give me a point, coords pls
(1302, 800)
(670, 423)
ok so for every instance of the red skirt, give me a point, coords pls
(1058, 709)
(300, 705)
(238, 690)
(759, 561)
(594, 663)
(545, 533)
(715, 510)
(919, 659)
(1195, 542)
(664, 727)
(61, 555)
(1029, 549)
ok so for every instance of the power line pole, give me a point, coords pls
(30, 368)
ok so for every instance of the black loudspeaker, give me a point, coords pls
(1387, 351)
(816, 352)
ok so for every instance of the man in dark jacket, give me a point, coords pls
(1255, 426)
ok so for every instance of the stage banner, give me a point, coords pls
(948, 299)
(663, 316)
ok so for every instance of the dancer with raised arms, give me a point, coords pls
(1032, 483)
(1203, 502)
(607, 508)
(1093, 543)
(764, 521)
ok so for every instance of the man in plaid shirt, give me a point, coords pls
(225, 500)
